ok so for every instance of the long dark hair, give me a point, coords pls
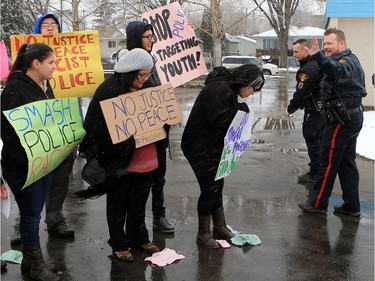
(244, 75)
(27, 54)
(123, 81)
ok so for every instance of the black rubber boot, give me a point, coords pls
(33, 261)
(204, 237)
(220, 230)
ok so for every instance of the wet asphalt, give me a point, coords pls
(260, 197)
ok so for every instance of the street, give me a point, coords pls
(260, 197)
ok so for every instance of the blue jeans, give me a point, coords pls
(30, 201)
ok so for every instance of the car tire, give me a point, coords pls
(267, 72)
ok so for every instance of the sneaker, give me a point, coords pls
(125, 256)
(306, 178)
(62, 230)
(15, 239)
(150, 248)
(306, 207)
(341, 210)
(163, 224)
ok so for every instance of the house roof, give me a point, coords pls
(294, 31)
(350, 8)
(241, 37)
(112, 32)
(231, 38)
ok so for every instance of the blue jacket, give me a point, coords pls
(343, 77)
(41, 18)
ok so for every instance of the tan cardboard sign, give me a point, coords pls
(142, 114)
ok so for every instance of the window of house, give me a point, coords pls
(270, 44)
(111, 44)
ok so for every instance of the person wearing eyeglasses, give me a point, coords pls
(141, 35)
(203, 141)
(128, 170)
(47, 24)
(55, 220)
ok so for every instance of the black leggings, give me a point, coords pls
(211, 197)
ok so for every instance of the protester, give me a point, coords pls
(307, 97)
(55, 220)
(343, 87)
(141, 35)
(27, 82)
(203, 140)
(127, 188)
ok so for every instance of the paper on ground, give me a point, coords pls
(242, 239)
(223, 243)
(167, 256)
(12, 256)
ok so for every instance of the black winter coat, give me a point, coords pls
(110, 156)
(307, 91)
(20, 90)
(212, 113)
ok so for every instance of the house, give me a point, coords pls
(269, 40)
(356, 19)
(230, 45)
(246, 45)
(111, 40)
(239, 45)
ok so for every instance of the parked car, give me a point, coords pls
(113, 58)
(235, 61)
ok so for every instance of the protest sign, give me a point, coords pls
(79, 70)
(4, 70)
(236, 141)
(176, 49)
(49, 130)
(142, 114)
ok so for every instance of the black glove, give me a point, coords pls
(243, 107)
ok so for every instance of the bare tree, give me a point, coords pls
(279, 14)
(18, 17)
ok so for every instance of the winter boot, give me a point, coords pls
(220, 230)
(33, 259)
(204, 237)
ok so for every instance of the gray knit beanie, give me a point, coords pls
(133, 60)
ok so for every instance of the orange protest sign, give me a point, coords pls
(79, 70)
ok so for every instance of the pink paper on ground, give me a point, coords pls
(223, 243)
(167, 256)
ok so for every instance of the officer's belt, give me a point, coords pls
(355, 109)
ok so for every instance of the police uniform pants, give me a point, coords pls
(312, 129)
(338, 157)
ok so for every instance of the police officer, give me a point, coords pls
(307, 97)
(343, 87)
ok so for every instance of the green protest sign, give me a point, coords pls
(49, 130)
